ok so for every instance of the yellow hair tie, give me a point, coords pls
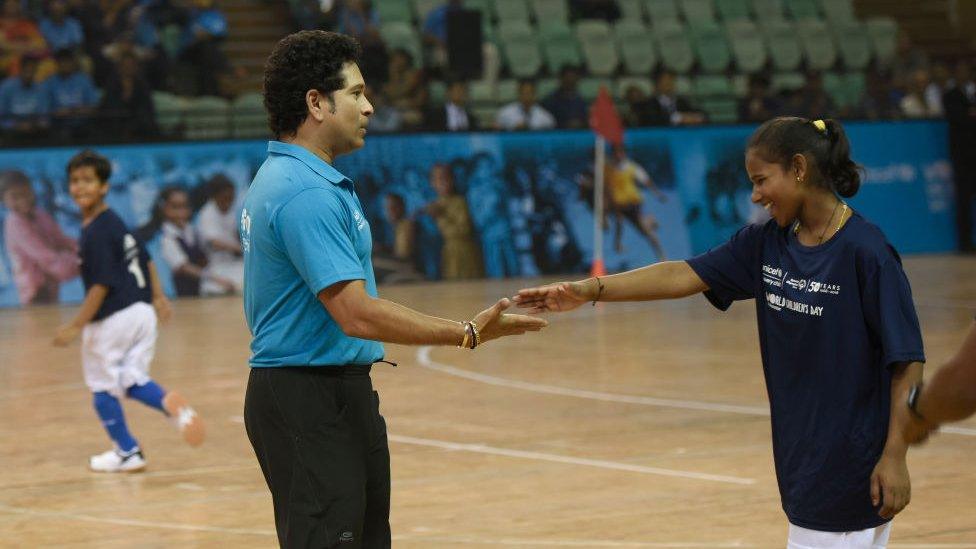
(820, 125)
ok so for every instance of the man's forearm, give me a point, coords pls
(383, 320)
(951, 393)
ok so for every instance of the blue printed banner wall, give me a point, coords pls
(448, 206)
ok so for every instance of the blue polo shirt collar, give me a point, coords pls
(308, 158)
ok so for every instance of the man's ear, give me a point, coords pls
(318, 104)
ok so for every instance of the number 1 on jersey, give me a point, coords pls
(136, 271)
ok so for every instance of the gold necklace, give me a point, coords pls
(796, 230)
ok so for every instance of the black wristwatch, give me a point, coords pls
(913, 394)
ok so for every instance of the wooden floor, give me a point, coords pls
(629, 425)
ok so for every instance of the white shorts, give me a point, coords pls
(872, 538)
(116, 351)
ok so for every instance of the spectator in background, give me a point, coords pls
(634, 98)
(182, 248)
(453, 115)
(217, 226)
(907, 60)
(127, 107)
(203, 47)
(405, 87)
(386, 118)
(61, 31)
(812, 100)
(757, 105)
(459, 255)
(25, 104)
(566, 104)
(359, 19)
(435, 31)
(878, 102)
(90, 16)
(915, 103)
(42, 255)
(404, 230)
(19, 37)
(937, 88)
(74, 97)
(487, 189)
(959, 104)
(525, 113)
(665, 107)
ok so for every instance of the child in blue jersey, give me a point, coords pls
(838, 333)
(117, 320)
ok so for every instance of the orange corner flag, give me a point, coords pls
(604, 119)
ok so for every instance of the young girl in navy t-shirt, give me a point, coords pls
(838, 332)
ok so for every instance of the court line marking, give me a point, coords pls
(134, 522)
(603, 464)
(407, 537)
(424, 360)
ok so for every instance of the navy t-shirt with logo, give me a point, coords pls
(112, 257)
(832, 320)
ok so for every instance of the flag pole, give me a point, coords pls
(598, 268)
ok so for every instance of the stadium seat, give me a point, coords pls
(590, 87)
(550, 11)
(661, 11)
(545, 86)
(507, 91)
(817, 43)
(632, 10)
(803, 9)
(883, 34)
(636, 46)
(622, 83)
(781, 42)
(249, 118)
(712, 85)
(674, 46)
(768, 10)
(720, 110)
(838, 11)
(559, 46)
(170, 110)
(511, 11)
(698, 12)
(597, 45)
(733, 10)
(787, 81)
(748, 47)
(711, 46)
(393, 11)
(520, 48)
(207, 118)
(398, 35)
(853, 44)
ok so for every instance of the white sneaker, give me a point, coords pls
(114, 461)
(184, 418)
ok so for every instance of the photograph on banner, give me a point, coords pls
(204, 185)
(642, 221)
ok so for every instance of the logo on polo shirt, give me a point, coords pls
(360, 220)
(245, 230)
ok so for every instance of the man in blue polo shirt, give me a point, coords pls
(312, 307)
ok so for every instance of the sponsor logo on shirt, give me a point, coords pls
(773, 276)
(778, 303)
(245, 230)
(823, 288)
(360, 220)
(797, 283)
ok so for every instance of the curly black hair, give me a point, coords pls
(91, 159)
(303, 61)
